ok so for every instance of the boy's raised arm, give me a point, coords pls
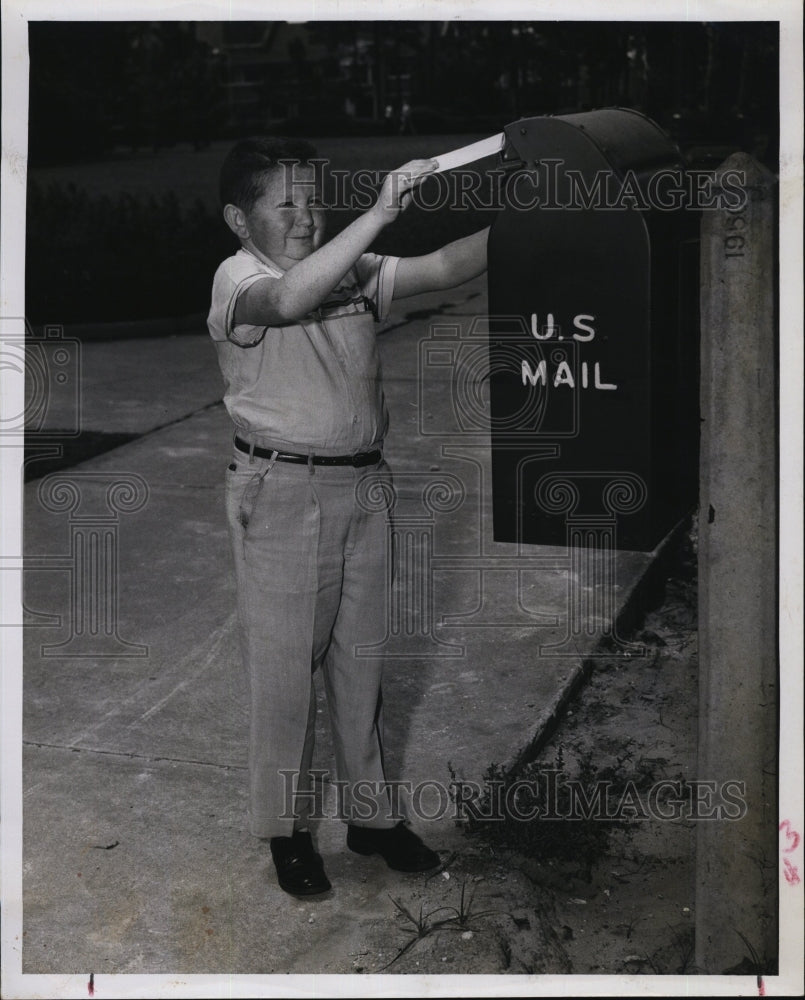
(450, 265)
(304, 286)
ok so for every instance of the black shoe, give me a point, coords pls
(399, 847)
(300, 870)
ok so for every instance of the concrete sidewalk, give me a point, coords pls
(136, 854)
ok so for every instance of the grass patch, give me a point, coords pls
(551, 814)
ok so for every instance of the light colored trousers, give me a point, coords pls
(312, 564)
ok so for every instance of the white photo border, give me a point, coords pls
(15, 17)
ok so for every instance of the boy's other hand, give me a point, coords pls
(395, 194)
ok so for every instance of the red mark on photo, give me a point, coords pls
(791, 873)
(790, 870)
(91, 984)
(792, 835)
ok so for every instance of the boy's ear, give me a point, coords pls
(235, 218)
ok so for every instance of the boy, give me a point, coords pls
(293, 320)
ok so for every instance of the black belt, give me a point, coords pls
(359, 460)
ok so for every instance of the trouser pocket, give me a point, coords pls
(249, 498)
(244, 484)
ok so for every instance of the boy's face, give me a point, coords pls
(286, 223)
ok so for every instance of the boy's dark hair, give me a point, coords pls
(248, 163)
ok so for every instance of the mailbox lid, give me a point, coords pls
(624, 139)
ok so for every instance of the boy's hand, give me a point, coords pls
(395, 194)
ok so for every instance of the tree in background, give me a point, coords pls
(98, 84)
(150, 84)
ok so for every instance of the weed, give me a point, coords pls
(558, 827)
(653, 965)
(685, 944)
(464, 913)
(566, 811)
(630, 926)
(754, 963)
(420, 926)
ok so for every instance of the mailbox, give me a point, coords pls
(593, 309)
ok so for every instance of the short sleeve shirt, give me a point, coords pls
(314, 386)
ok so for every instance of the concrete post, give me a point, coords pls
(736, 864)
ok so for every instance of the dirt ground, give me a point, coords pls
(596, 885)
